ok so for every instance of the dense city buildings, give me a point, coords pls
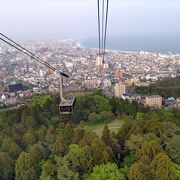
(85, 68)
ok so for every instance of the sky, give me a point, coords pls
(30, 19)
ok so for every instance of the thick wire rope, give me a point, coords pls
(106, 24)
(24, 52)
(103, 21)
(30, 54)
(27, 50)
(102, 26)
(99, 26)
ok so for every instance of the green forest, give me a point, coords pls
(38, 143)
(167, 87)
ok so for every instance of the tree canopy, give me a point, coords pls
(38, 143)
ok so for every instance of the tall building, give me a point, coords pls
(118, 73)
(154, 101)
(106, 66)
(99, 61)
(42, 72)
(22, 71)
(119, 89)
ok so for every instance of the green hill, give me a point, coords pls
(38, 143)
(168, 87)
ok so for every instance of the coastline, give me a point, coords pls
(166, 45)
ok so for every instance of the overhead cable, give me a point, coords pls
(28, 53)
(102, 25)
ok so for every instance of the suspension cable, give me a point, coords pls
(33, 57)
(30, 54)
(102, 26)
(26, 50)
(99, 26)
(106, 23)
(103, 3)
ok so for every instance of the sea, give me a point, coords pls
(166, 44)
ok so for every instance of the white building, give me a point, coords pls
(106, 66)
(154, 101)
(99, 61)
(119, 89)
(3, 97)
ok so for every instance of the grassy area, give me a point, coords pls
(8, 109)
(114, 126)
(80, 93)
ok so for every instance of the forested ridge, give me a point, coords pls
(37, 143)
(167, 87)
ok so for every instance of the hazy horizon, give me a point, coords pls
(51, 19)
(76, 18)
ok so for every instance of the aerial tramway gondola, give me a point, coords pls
(66, 105)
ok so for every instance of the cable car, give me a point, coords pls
(67, 106)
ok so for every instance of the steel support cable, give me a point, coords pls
(103, 3)
(31, 54)
(28, 53)
(99, 26)
(106, 23)
(24, 52)
(102, 26)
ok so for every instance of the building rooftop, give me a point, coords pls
(16, 87)
(154, 96)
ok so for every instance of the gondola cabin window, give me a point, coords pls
(67, 106)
